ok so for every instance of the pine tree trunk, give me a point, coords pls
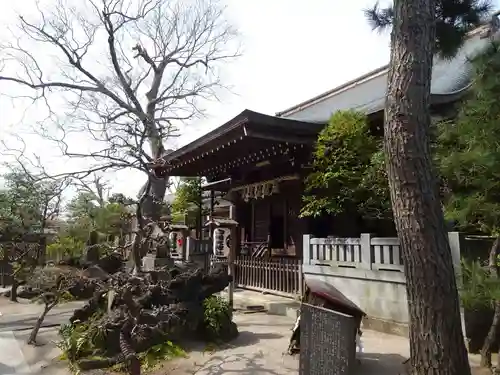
(497, 368)
(493, 332)
(436, 341)
(490, 337)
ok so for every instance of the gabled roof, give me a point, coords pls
(254, 124)
(450, 80)
(249, 132)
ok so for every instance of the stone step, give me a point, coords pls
(253, 301)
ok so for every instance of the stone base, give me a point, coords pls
(385, 326)
(151, 263)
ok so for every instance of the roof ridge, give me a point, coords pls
(361, 79)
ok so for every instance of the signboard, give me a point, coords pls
(327, 342)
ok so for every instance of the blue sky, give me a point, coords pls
(293, 50)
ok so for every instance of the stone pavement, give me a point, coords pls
(23, 315)
(261, 346)
(259, 350)
(12, 359)
(16, 321)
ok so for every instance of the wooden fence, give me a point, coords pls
(279, 276)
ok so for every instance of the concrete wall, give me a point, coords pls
(368, 270)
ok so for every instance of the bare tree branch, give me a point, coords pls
(129, 74)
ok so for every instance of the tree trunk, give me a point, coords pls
(151, 207)
(13, 289)
(136, 252)
(490, 338)
(436, 341)
(151, 196)
(497, 368)
(92, 251)
(492, 333)
(38, 325)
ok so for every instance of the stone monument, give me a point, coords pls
(327, 342)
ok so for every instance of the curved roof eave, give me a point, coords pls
(280, 125)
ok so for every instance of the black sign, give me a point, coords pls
(327, 342)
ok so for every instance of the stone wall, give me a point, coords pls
(369, 271)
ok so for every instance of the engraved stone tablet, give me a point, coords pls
(327, 342)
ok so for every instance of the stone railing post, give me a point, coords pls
(366, 252)
(306, 249)
(455, 240)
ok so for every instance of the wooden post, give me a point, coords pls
(232, 255)
(301, 279)
(211, 227)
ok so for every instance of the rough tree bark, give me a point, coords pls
(436, 341)
(50, 301)
(492, 333)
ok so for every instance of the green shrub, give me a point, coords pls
(348, 170)
(65, 246)
(89, 340)
(217, 315)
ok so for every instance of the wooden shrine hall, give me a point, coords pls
(259, 162)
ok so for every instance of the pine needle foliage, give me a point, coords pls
(468, 152)
(454, 19)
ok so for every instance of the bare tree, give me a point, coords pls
(97, 188)
(129, 73)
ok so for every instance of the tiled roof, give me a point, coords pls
(449, 78)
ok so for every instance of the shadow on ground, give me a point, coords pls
(380, 364)
(244, 339)
(247, 338)
(246, 364)
(287, 325)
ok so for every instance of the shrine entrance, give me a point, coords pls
(258, 163)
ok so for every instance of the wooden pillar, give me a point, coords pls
(199, 224)
(211, 227)
(232, 255)
(252, 224)
(212, 202)
(285, 225)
